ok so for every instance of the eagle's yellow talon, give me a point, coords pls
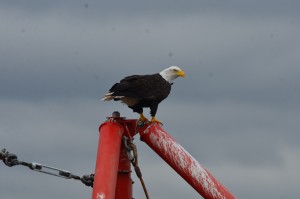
(143, 118)
(153, 120)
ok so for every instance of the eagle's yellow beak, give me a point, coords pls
(180, 73)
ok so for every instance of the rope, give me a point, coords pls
(137, 169)
(134, 160)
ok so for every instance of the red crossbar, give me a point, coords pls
(183, 163)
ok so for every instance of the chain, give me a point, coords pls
(134, 161)
(11, 160)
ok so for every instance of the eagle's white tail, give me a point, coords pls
(108, 97)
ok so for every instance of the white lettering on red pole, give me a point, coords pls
(100, 196)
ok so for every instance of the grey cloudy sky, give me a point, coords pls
(236, 111)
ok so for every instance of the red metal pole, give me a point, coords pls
(124, 181)
(183, 163)
(107, 162)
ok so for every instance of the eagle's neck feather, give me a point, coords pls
(168, 78)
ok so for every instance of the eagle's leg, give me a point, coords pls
(153, 110)
(143, 118)
(139, 109)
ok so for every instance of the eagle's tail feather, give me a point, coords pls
(109, 96)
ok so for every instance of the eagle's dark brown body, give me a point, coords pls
(140, 91)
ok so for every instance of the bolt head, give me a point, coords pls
(116, 114)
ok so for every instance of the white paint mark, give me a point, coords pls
(184, 161)
(146, 130)
(100, 196)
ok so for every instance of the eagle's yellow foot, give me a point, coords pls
(155, 120)
(143, 118)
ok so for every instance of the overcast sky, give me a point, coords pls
(236, 111)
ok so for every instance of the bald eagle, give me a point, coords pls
(139, 91)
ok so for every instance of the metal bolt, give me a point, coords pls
(116, 114)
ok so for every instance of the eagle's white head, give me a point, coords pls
(171, 73)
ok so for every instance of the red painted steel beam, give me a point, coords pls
(124, 181)
(107, 162)
(183, 163)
